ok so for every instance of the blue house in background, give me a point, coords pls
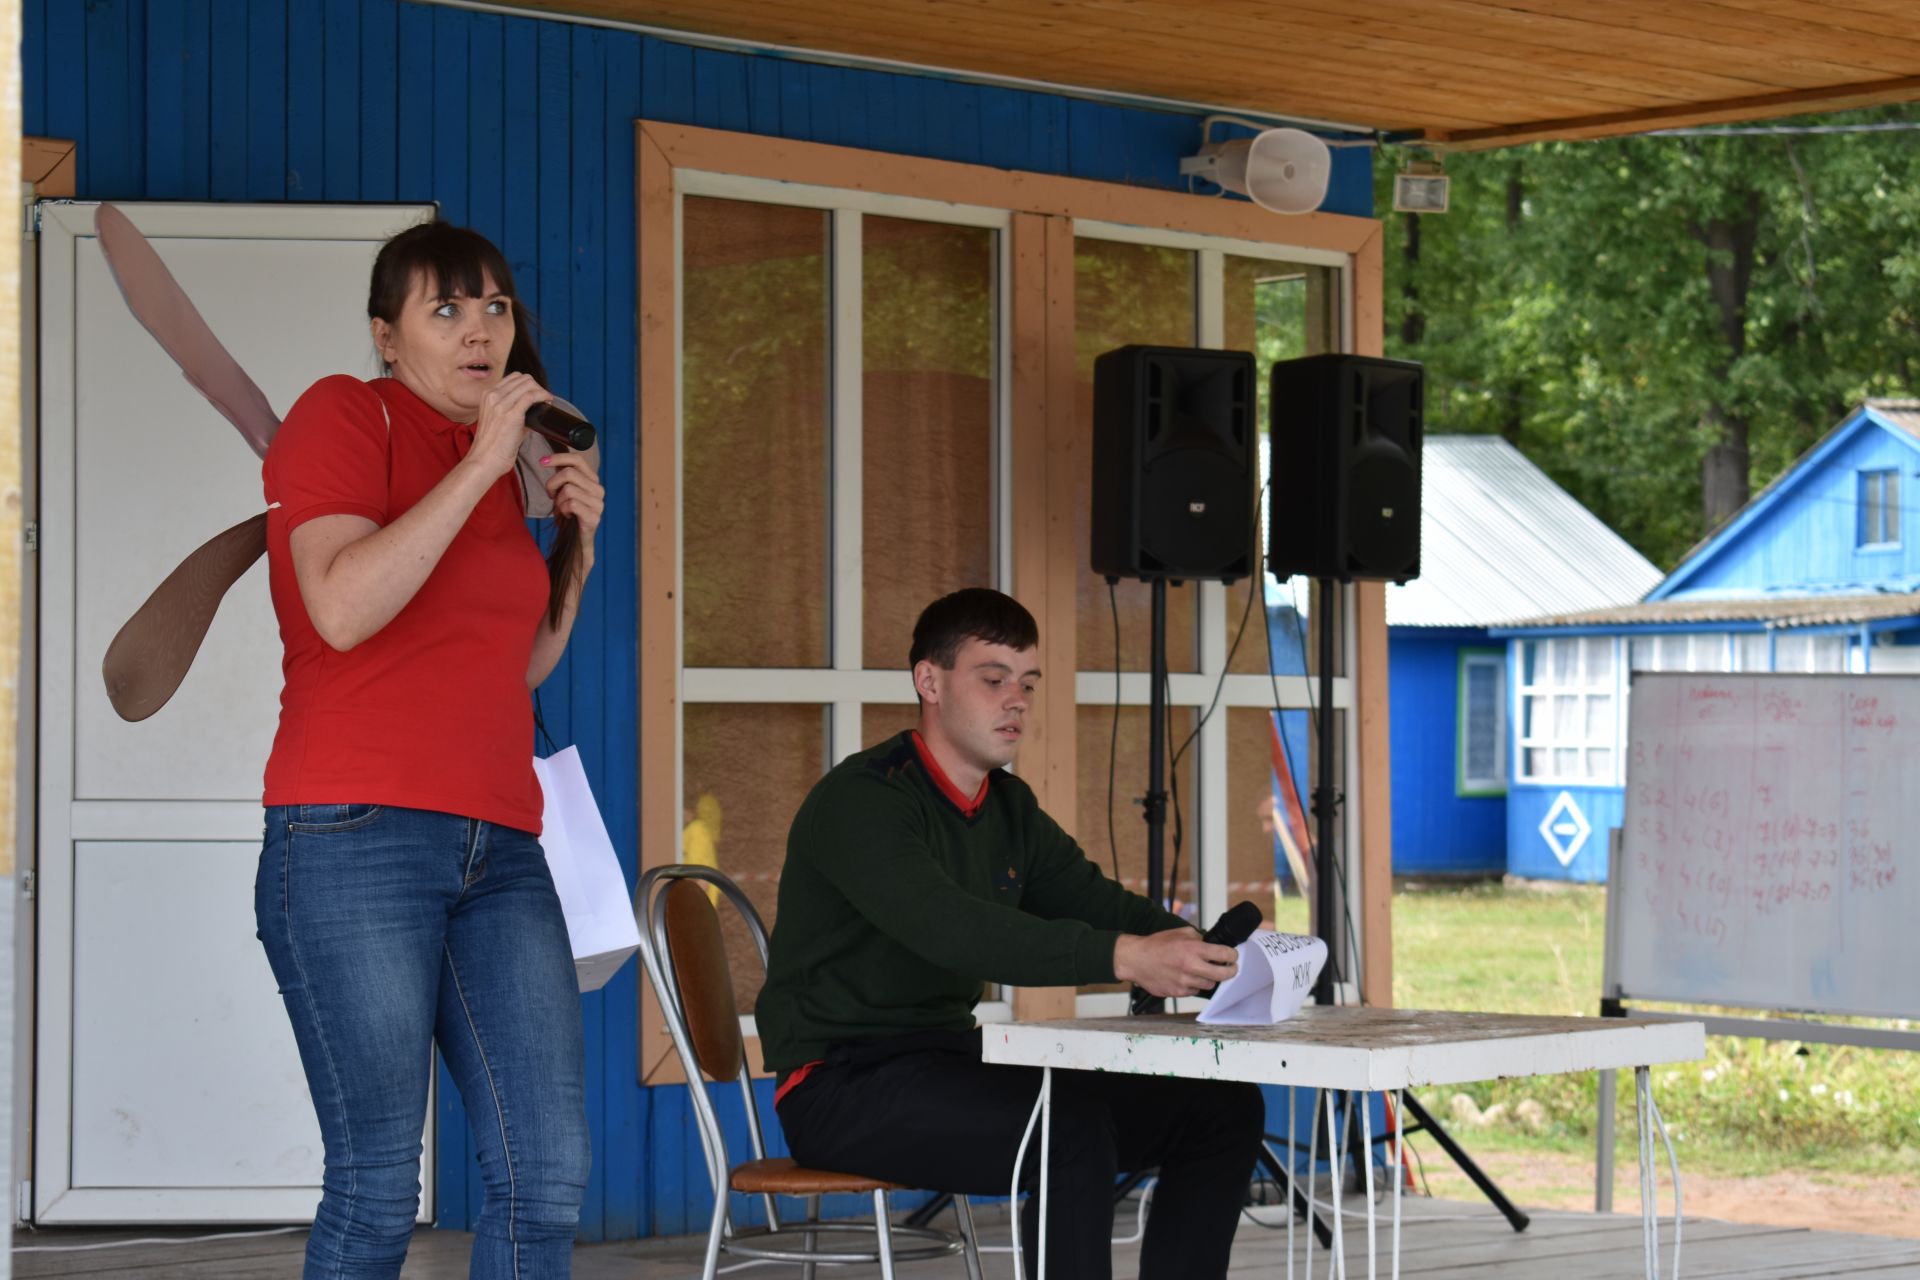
(1819, 572)
(1499, 541)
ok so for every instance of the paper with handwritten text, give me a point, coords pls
(1277, 973)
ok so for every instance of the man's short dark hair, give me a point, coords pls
(973, 613)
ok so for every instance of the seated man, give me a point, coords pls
(916, 871)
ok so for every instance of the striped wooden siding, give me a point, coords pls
(523, 128)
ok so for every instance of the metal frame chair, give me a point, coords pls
(686, 961)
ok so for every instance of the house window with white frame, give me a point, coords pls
(825, 335)
(1879, 524)
(1481, 760)
(1568, 726)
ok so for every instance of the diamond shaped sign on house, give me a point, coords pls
(1565, 828)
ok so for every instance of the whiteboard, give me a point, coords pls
(1771, 853)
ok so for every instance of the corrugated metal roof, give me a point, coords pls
(1779, 611)
(1904, 414)
(1500, 541)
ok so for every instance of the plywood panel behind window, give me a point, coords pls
(1278, 311)
(882, 720)
(1129, 752)
(746, 769)
(1256, 810)
(1122, 294)
(928, 410)
(754, 497)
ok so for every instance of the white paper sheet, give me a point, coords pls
(586, 871)
(1277, 973)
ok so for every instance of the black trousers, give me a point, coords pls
(924, 1111)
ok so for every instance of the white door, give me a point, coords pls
(167, 1086)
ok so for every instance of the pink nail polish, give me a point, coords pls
(547, 461)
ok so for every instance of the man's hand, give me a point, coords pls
(1173, 962)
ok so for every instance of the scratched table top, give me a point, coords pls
(1325, 1047)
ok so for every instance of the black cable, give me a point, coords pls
(1113, 742)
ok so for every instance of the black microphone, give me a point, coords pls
(1235, 925)
(563, 427)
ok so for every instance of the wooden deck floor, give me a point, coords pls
(1443, 1240)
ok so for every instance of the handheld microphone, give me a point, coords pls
(561, 424)
(1235, 925)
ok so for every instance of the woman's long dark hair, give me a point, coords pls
(458, 261)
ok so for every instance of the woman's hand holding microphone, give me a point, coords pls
(497, 436)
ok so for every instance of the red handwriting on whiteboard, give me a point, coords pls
(1779, 707)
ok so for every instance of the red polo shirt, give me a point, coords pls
(432, 711)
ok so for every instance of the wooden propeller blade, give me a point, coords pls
(150, 656)
(164, 310)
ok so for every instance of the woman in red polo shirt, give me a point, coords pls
(403, 898)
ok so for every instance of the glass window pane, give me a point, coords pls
(746, 769)
(1534, 762)
(754, 382)
(1482, 711)
(1258, 811)
(1533, 716)
(1126, 847)
(1790, 652)
(1599, 660)
(1750, 651)
(881, 720)
(1278, 311)
(1644, 656)
(927, 390)
(1565, 658)
(1566, 718)
(1599, 718)
(1600, 765)
(1124, 293)
(1566, 763)
(1890, 508)
(1829, 653)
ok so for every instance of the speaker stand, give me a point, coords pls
(1327, 800)
(1155, 803)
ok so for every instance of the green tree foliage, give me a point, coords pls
(1663, 323)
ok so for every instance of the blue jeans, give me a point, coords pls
(390, 930)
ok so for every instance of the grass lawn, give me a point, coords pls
(1751, 1106)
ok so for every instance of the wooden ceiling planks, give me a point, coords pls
(1464, 73)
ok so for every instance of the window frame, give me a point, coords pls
(1036, 467)
(1496, 784)
(845, 687)
(1583, 688)
(1879, 486)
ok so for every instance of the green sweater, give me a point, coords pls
(895, 907)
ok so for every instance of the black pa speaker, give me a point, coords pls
(1174, 441)
(1345, 495)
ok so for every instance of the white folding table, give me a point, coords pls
(1361, 1050)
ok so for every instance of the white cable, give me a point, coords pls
(122, 1244)
(1291, 1149)
(1140, 1219)
(1673, 1164)
(1366, 1167)
(1336, 1176)
(1399, 1174)
(1046, 1159)
(1013, 1196)
(1313, 1173)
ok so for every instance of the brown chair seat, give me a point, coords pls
(781, 1176)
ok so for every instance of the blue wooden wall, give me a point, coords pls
(1803, 536)
(1435, 830)
(523, 128)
